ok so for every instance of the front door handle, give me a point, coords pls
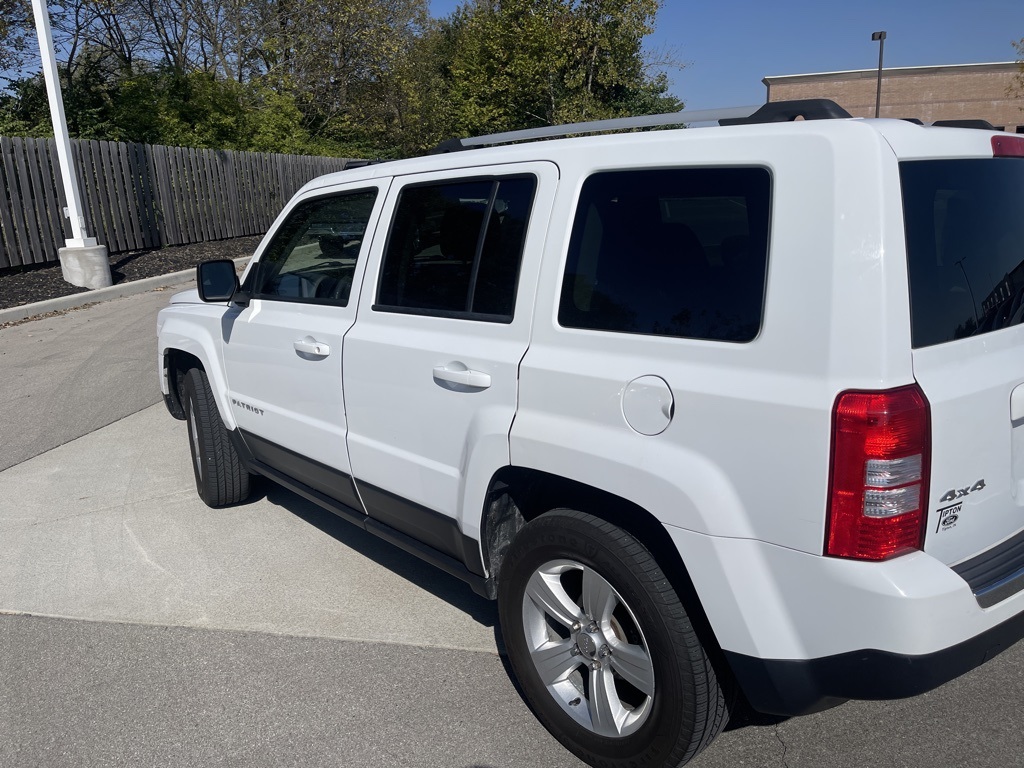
(458, 373)
(311, 346)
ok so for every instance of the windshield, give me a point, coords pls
(965, 246)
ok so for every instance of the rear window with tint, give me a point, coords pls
(965, 246)
(455, 248)
(675, 252)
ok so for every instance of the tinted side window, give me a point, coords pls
(313, 255)
(455, 248)
(965, 246)
(679, 252)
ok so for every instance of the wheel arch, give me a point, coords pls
(518, 495)
(186, 340)
(176, 363)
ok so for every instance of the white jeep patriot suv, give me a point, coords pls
(737, 408)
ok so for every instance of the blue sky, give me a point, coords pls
(730, 45)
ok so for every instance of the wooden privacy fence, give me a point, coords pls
(137, 196)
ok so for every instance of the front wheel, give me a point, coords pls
(602, 646)
(221, 477)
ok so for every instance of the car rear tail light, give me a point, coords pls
(1007, 146)
(878, 490)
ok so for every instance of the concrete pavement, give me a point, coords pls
(166, 633)
(80, 694)
(109, 527)
(67, 375)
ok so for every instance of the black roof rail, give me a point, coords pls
(446, 146)
(785, 111)
(981, 125)
(362, 163)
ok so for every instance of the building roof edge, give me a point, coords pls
(888, 70)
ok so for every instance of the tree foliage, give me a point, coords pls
(366, 77)
(15, 23)
(524, 63)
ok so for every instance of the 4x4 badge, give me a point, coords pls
(959, 493)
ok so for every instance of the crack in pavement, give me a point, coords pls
(33, 523)
(785, 749)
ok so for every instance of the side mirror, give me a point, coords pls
(217, 280)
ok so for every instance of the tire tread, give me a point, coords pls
(225, 480)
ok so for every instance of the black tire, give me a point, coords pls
(677, 706)
(221, 477)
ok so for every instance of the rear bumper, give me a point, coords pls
(803, 632)
(793, 687)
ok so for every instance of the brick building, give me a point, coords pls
(949, 92)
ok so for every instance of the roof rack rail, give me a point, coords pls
(786, 111)
(773, 112)
(361, 163)
(594, 126)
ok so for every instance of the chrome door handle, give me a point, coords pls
(457, 373)
(311, 346)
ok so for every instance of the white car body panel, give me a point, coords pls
(195, 329)
(974, 440)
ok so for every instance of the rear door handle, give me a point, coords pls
(1017, 403)
(311, 346)
(458, 373)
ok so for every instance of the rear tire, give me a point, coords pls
(602, 646)
(221, 477)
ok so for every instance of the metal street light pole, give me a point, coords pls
(880, 37)
(83, 262)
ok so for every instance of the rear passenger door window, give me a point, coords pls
(455, 248)
(677, 252)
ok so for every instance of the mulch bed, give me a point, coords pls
(39, 282)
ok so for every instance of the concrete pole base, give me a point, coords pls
(86, 267)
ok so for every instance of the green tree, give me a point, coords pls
(340, 63)
(15, 34)
(420, 92)
(350, 77)
(521, 63)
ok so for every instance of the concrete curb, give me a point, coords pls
(121, 290)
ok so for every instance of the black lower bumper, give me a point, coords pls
(799, 687)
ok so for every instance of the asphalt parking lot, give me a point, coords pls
(139, 627)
